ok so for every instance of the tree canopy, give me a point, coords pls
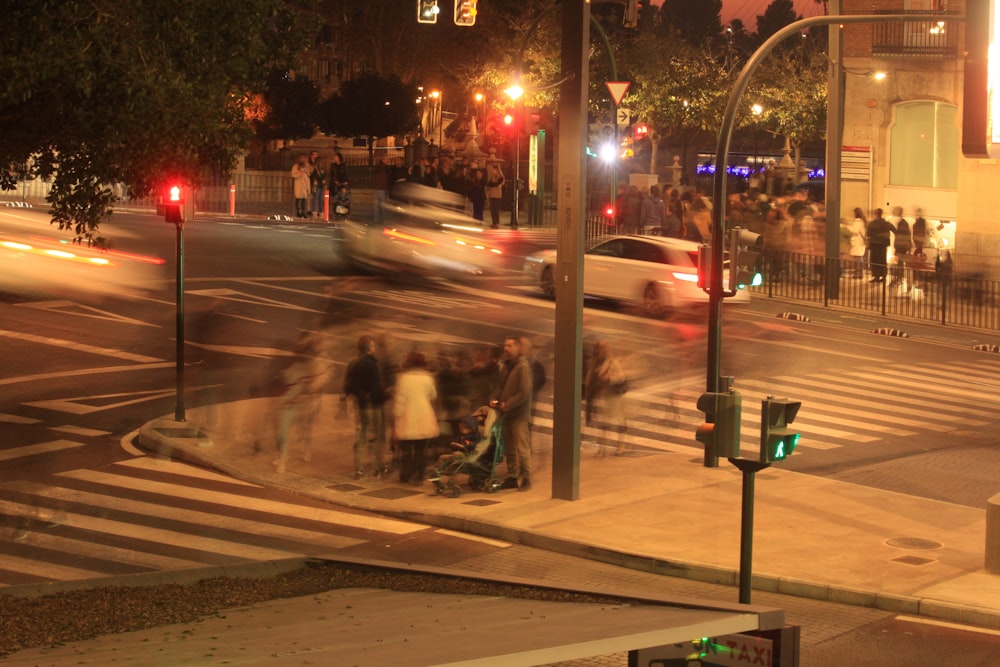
(371, 105)
(111, 91)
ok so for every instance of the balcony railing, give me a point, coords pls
(918, 38)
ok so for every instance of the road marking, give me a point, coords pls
(235, 500)
(162, 511)
(85, 371)
(245, 350)
(246, 297)
(80, 430)
(426, 298)
(37, 568)
(182, 469)
(17, 419)
(78, 346)
(157, 535)
(71, 308)
(39, 448)
(74, 405)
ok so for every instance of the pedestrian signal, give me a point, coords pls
(721, 431)
(777, 438)
(173, 208)
(465, 12)
(744, 250)
(427, 11)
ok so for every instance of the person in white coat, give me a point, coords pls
(416, 420)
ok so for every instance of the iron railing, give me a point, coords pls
(917, 38)
(916, 290)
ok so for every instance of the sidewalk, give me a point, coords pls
(660, 512)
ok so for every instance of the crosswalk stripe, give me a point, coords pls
(154, 464)
(913, 407)
(213, 519)
(904, 382)
(46, 570)
(39, 448)
(17, 419)
(160, 535)
(244, 502)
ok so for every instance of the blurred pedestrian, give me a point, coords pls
(317, 180)
(494, 193)
(338, 173)
(299, 400)
(919, 232)
(301, 185)
(513, 399)
(902, 243)
(857, 243)
(363, 384)
(652, 215)
(879, 234)
(416, 423)
(632, 216)
(604, 392)
(477, 193)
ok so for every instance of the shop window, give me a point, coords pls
(924, 146)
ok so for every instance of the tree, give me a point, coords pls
(697, 23)
(290, 108)
(111, 91)
(776, 16)
(372, 106)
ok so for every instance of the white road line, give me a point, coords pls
(37, 568)
(85, 371)
(78, 346)
(905, 383)
(179, 468)
(79, 430)
(158, 535)
(39, 448)
(211, 519)
(17, 419)
(235, 500)
(472, 538)
(950, 626)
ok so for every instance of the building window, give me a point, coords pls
(924, 146)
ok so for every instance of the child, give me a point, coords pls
(468, 438)
(342, 201)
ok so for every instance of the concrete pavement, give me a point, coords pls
(654, 511)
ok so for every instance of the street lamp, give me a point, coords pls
(757, 110)
(515, 92)
(436, 96)
(481, 102)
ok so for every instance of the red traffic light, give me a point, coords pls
(173, 208)
(609, 211)
(175, 193)
(641, 131)
(508, 119)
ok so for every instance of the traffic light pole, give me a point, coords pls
(179, 414)
(749, 469)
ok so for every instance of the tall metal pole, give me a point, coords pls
(571, 196)
(179, 414)
(834, 142)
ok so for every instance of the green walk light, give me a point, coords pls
(745, 248)
(720, 434)
(777, 439)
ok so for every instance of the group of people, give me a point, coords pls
(481, 183)
(312, 176)
(406, 406)
(876, 236)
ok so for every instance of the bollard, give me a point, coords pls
(993, 535)
(326, 206)
(232, 200)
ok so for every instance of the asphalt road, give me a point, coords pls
(83, 369)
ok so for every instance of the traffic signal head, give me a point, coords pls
(705, 266)
(744, 250)
(427, 11)
(721, 431)
(641, 131)
(173, 207)
(777, 438)
(465, 12)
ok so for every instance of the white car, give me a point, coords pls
(427, 240)
(660, 274)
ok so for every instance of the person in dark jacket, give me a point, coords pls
(363, 383)
(879, 234)
(513, 399)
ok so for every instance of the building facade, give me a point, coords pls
(902, 134)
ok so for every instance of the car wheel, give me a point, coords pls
(652, 300)
(548, 283)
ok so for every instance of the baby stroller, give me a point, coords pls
(479, 463)
(341, 203)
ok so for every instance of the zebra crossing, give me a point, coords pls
(856, 407)
(145, 514)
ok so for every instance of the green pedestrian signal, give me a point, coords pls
(721, 432)
(745, 248)
(777, 438)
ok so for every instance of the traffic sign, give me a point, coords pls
(618, 90)
(623, 116)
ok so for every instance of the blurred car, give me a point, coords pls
(658, 273)
(422, 239)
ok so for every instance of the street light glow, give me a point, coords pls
(608, 153)
(514, 92)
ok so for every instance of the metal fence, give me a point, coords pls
(914, 290)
